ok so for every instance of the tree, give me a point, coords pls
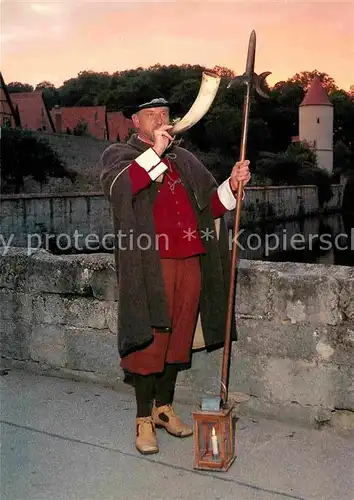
(304, 78)
(217, 135)
(288, 93)
(297, 165)
(87, 83)
(45, 85)
(343, 160)
(343, 110)
(25, 155)
(81, 128)
(224, 72)
(50, 93)
(18, 87)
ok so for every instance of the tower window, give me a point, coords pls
(318, 120)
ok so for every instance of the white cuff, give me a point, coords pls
(157, 171)
(148, 159)
(226, 195)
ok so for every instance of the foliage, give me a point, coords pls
(50, 93)
(16, 87)
(343, 118)
(81, 128)
(25, 155)
(296, 166)
(216, 138)
(305, 77)
(343, 159)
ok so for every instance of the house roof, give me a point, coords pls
(33, 112)
(7, 109)
(94, 116)
(118, 126)
(316, 95)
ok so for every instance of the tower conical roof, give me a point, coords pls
(316, 95)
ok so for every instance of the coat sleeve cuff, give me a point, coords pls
(151, 163)
(155, 172)
(226, 196)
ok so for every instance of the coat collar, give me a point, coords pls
(137, 143)
(142, 146)
(186, 169)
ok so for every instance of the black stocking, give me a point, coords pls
(165, 385)
(144, 394)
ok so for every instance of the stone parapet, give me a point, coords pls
(294, 358)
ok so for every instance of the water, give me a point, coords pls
(319, 239)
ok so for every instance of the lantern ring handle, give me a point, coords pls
(225, 389)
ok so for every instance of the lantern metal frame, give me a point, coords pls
(221, 420)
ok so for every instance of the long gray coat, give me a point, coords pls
(142, 303)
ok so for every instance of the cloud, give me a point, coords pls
(15, 33)
(47, 8)
(26, 22)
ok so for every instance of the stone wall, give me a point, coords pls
(294, 358)
(41, 218)
(81, 154)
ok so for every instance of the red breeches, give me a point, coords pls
(182, 279)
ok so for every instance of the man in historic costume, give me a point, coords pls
(172, 260)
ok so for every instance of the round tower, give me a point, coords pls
(316, 123)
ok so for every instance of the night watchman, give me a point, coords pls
(172, 299)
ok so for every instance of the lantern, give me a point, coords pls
(214, 439)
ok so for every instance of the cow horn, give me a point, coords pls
(207, 92)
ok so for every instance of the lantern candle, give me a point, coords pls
(214, 442)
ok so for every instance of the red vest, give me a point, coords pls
(175, 221)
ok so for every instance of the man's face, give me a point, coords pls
(149, 119)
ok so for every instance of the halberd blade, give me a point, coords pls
(251, 55)
(238, 80)
(259, 81)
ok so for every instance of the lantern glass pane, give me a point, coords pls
(203, 442)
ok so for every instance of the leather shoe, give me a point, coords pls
(166, 417)
(146, 441)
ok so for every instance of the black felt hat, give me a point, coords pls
(145, 97)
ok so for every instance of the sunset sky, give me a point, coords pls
(48, 40)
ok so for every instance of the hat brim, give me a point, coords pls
(129, 111)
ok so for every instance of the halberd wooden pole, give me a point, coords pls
(251, 80)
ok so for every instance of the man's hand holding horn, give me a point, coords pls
(162, 139)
